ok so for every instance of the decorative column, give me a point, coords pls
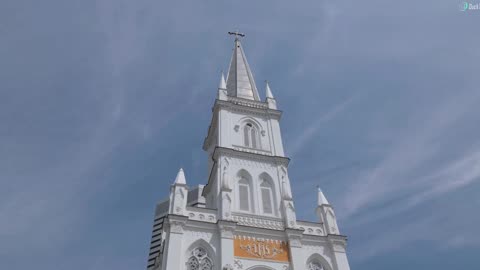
(178, 195)
(294, 237)
(338, 245)
(174, 252)
(326, 214)
(227, 230)
(225, 191)
(222, 89)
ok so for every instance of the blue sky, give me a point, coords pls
(103, 101)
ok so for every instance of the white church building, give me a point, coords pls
(244, 217)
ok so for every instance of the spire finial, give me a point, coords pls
(236, 34)
(268, 90)
(240, 82)
(222, 84)
(180, 179)
(321, 198)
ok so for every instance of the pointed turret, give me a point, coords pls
(268, 92)
(180, 179)
(326, 214)
(222, 89)
(272, 103)
(222, 84)
(321, 198)
(288, 210)
(178, 194)
(240, 82)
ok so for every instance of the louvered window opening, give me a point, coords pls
(250, 135)
(244, 195)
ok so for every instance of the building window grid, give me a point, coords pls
(267, 197)
(244, 195)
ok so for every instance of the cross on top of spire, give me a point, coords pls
(240, 82)
(236, 34)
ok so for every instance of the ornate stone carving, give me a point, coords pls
(248, 103)
(226, 183)
(226, 206)
(315, 266)
(259, 222)
(228, 267)
(260, 248)
(199, 260)
(211, 218)
(238, 264)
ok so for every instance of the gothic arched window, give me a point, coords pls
(244, 194)
(199, 260)
(315, 266)
(250, 136)
(266, 191)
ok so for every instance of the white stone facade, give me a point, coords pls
(244, 218)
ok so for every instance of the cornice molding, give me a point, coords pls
(248, 103)
(294, 237)
(338, 242)
(176, 223)
(247, 106)
(274, 160)
(226, 228)
(259, 221)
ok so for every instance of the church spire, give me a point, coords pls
(321, 200)
(240, 82)
(222, 84)
(180, 179)
(268, 91)
(272, 103)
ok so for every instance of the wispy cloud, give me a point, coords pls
(43, 204)
(411, 150)
(403, 182)
(456, 175)
(308, 134)
(81, 82)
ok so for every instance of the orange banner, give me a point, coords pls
(259, 248)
